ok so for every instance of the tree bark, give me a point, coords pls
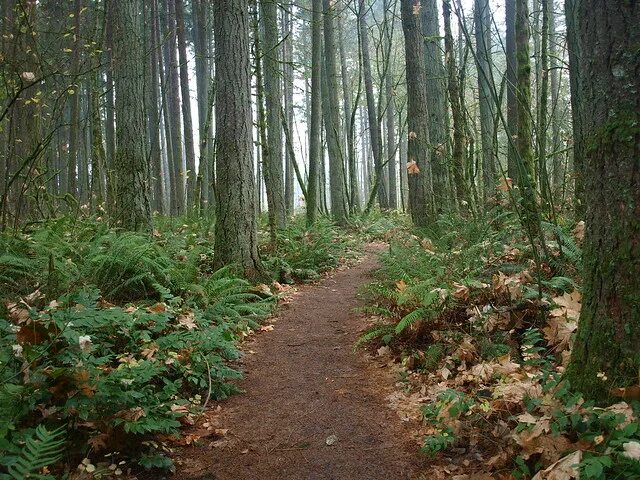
(607, 34)
(190, 156)
(172, 95)
(512, 100)
(272, 164)
(315, 125)
(459, 134)
(236, 233)
(332, 118)
(131, 168)
(436, 102)
(288, 78)
(482, 18)
(417, 116)
(379, 187)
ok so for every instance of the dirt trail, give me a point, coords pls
(304, 383)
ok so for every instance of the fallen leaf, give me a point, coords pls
(157, 308)
(188, 320)
(631, 450)
(461, 292)
(563, 469)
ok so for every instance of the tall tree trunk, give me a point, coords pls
(172, 94)
(557, 162)
(390, 113)
(110, 124)
(436, 101)
(349, 126)
(608, 34)
(482, 18)
(315, 124)
(190, 156)
(332, 118)
(392, 145)
(200, 45)
(236, 233)
(131, 168)
(524, 142)
(74, 124)
(454, 87)
(543, 107)
(512, 100)
(379, 186)
(272, 164)
(576, 56)
(24, 150)
(417, 117)
(287, 56)
(153, 110)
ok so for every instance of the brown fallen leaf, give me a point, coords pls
(563, 469)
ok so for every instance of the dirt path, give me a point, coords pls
(303, 384)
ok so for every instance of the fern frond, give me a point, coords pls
(42, 449)
(409, 319)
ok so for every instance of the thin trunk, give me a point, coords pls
(272, 163)
(287, 55)
(153, 112)
(379, 187)
(172, 94)
(454, 87)
(332, 118)
(512, 100)
(482, 17)
(190, 156)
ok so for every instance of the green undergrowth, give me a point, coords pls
(111, 341)
(302, 253)
(484, 334)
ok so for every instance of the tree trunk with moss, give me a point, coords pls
(482, 19)
(524, 141)
(236, 233)
(437, 103)
(131, 166)
(459, 134)
(609, 329)
(315, 123)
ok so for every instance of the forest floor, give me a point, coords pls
(312, 408)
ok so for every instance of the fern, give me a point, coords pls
(410, 319)
(42, 449)
(376, 332)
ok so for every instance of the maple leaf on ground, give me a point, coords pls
(558, 332)
(188, 320)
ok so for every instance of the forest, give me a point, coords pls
(320, 239)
